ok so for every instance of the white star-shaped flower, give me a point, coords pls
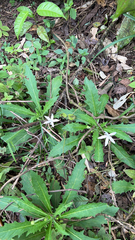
(108, 137)
(51, 120)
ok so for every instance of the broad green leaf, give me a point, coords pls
(77, 235)
(5, 34)
(124, 6)
(49, 104)
(3, 88)
(127, 28)
(41, 190)
(49, 9)
(37, 235)
(41, 32)
(98, 151)
(125, 127)
(90, 209)
(5, 28)
(103, 101)
(74, 127)
(23, 9)
(130, 173)
(90, 223)
(28, 188)
(31, 85)
(74, 182)
(65, 145)
(122, 186)
(19, 21)
(18, 109)
(119, 134)
(62, 208)
(122, 155)
(59, 228)
(80, 200)
(17, 229)
(55, 199)
(92, 97)
(27, 25)
(73, 13)
(82, 117)
(3, 74)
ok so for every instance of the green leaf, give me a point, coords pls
(85, 119)
(5, 28)
(23, 9)
(59, 228)
(74, 127)
(77, 235)
(17, 229)
(122, 186)
(49, 104)
(3, 88)
(55, 199)
(65, 145)
(73, 13)
(125, 127)
(99, 151)
(3, 74)
(90, 209)
(124, 6)
(0, 33)
(54, 88)
(27, 25)
(122, 155)
(130, 173)
(19, 21)
(92, 97)
(31, 85)
(103, 101)
(119, 134)
(41, 32)
(35, 236)
(5, 34)
(48, 233)
(49, 9)
(41, 190)
(62, 208)
(18, 109)
(74, 182)
(90, 223)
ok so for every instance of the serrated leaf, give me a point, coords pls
(124, 6)
(41, 190)
(42, 33)
(18, 109)
(122, 186)
(62, 208)
(17, 229)
(92, 97)
(119, 134)
(23, 9)
(19, 21)
(77, 235)
(49, 104)
(55, 199)
(125, 127)
(82, 117)
(74, 127)
(95, 137)
(48, 233)
(35, 236)
(90, 223)
(59, 228)
(122, 155)
(98, 156)
(65, 145)
(74, 182)
(3, 88)
(31, 85)
(90, 209)
(103, 101)
(130, 173)
(49, 9)
(27, 25)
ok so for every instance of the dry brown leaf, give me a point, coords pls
(101, 2)
(111, 111)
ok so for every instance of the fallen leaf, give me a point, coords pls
(112, 111)
(101, 2)
(121, 101)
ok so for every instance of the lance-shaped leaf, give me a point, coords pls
(18, 24)
(49, 9)
(42, 33)
(122, 186)
(31, 85)
(41, 190)
(90, 209)
(17, 229)
(74, 182)
(74, 127)
(125, 127)
(122, 155)
(119, 134)
(124, 6)
(92, 97)
(98, 156)
(35, 236)
(18, 109)
(60, 228)
(62, 208)
(77, 235)
(48, 233)
(23, 9)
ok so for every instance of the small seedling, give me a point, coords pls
(3, 30)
